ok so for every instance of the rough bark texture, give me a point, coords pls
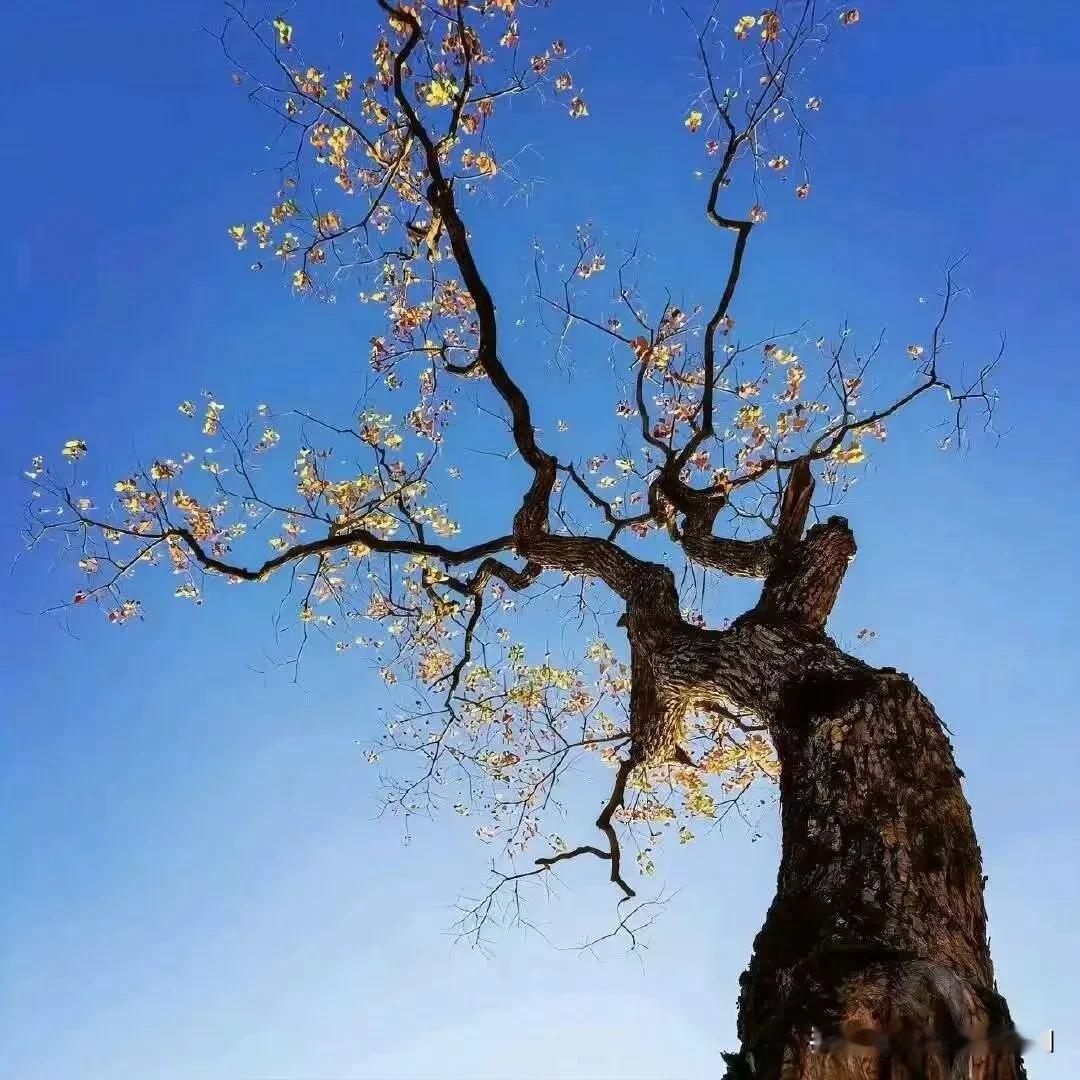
(873, 962)
(876, 940)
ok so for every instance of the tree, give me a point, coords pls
(873, 960)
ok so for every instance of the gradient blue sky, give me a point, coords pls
(194, 885)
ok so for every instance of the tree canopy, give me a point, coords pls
(731, 439)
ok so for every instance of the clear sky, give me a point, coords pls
(194, 884)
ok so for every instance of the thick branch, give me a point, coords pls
(803, 585)
(582, 555)
(739, 558)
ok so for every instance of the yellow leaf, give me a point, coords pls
(744, 26)
(852, 455)
(163, 470)
(780, 354)
(441, 91)
(284, 32)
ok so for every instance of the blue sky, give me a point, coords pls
(196, 885)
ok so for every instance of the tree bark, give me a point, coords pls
(873, 963)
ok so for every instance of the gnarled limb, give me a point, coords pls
(729, 555)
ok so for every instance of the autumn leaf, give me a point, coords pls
(693, 121)
(850, 17)
(744, 26)
(212, 419)
(284, 32)
(578, 108)
(343, 87)
(163, 470)
(441, 91)
(483, 162)
(287, 209)
(780, 354)
(852, 455)
(74, 449)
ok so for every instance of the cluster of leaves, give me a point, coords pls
(498, 752)
(353, 132)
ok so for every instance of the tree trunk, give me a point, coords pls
(873, 962)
